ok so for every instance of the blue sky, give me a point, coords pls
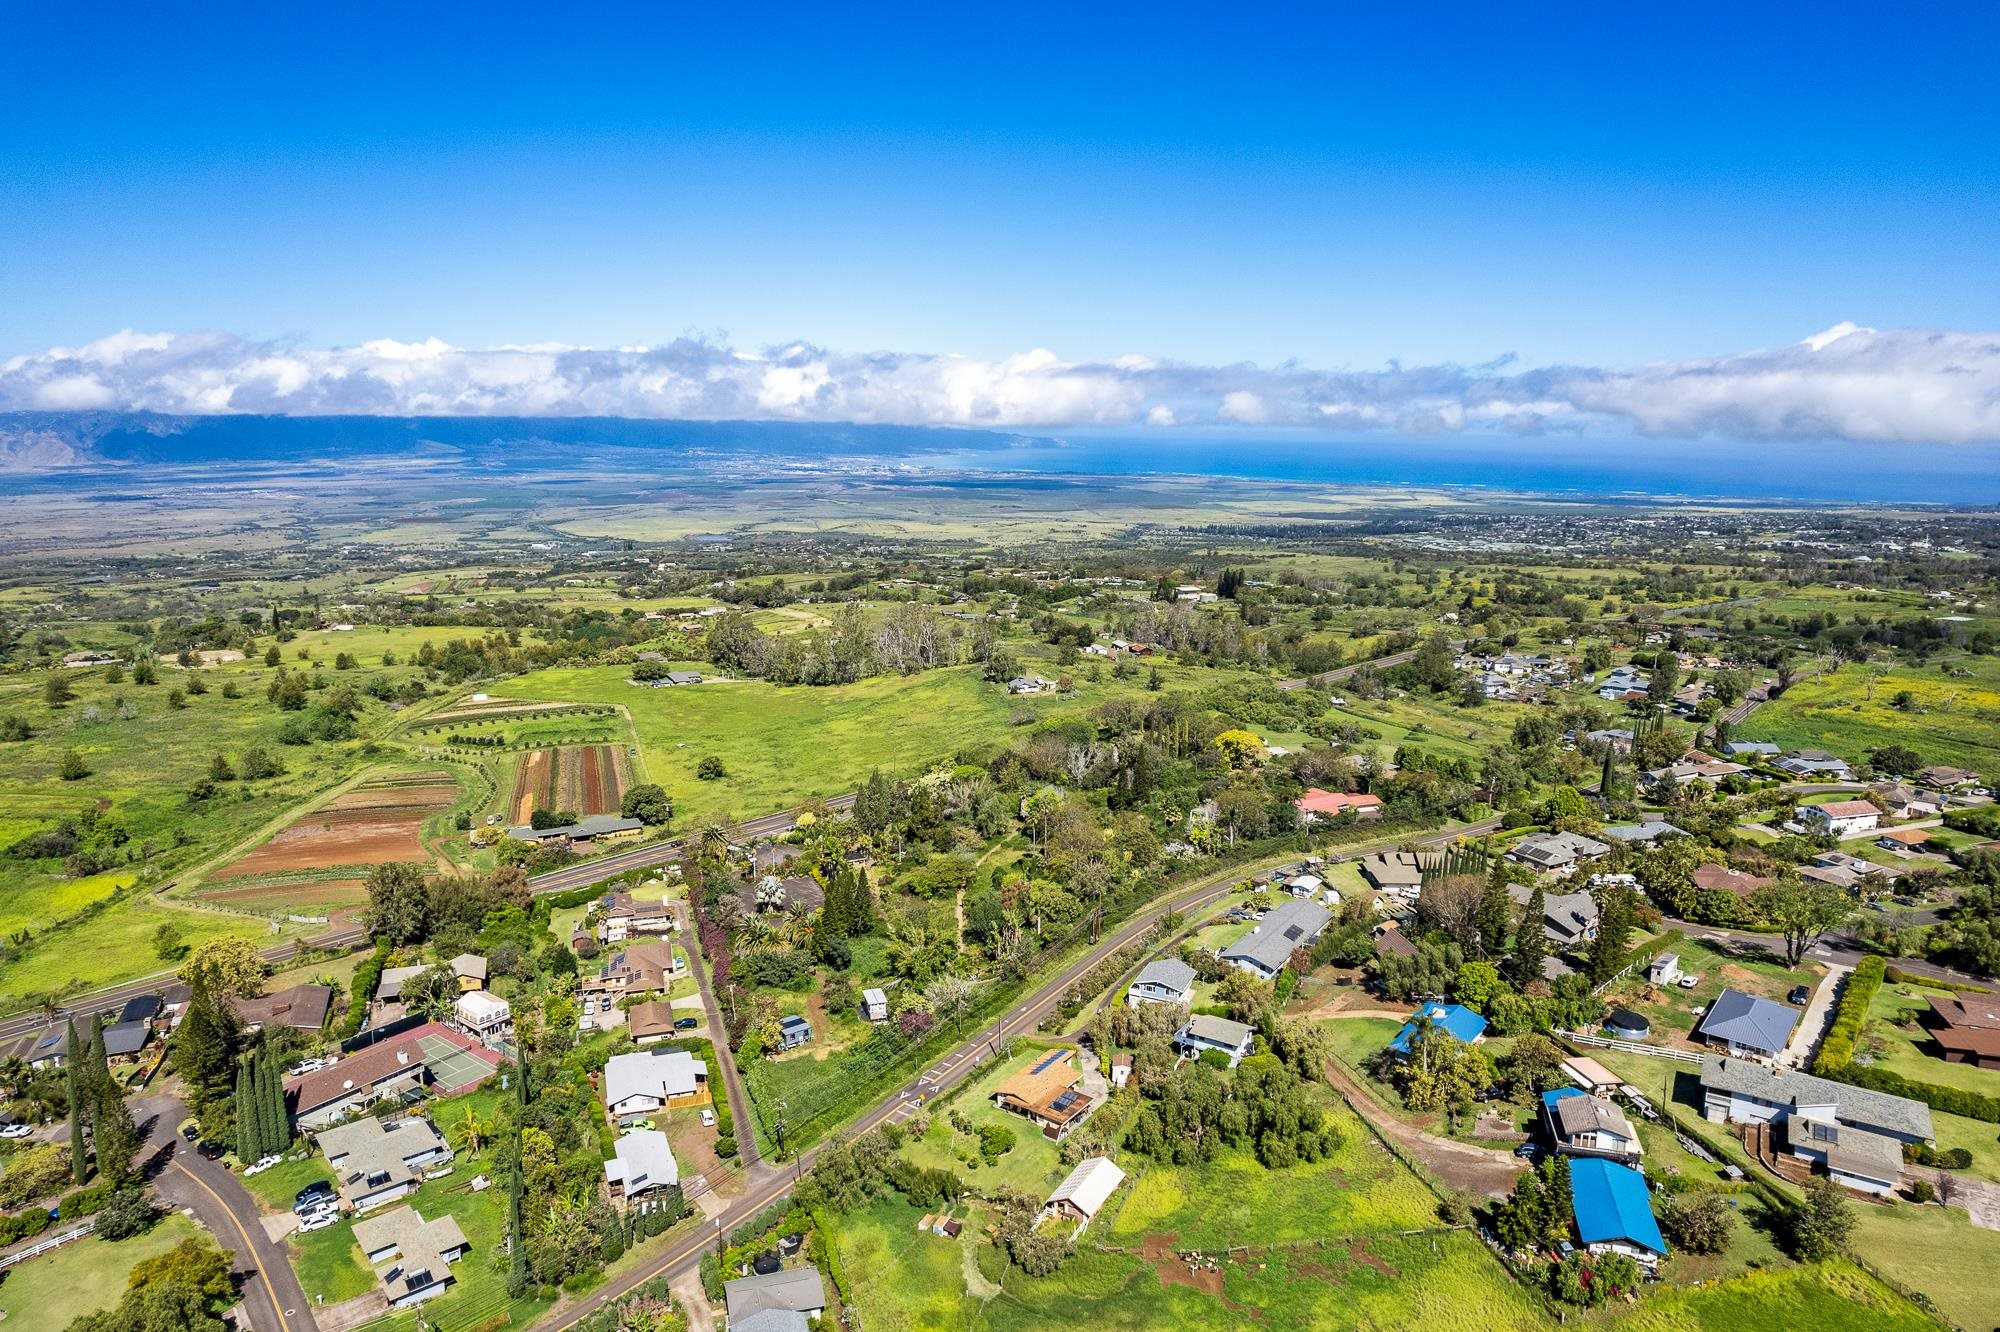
(1597, 185)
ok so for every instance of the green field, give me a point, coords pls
(785, 744)
(80, 1278)
(1955, 719)
(1935, 1250)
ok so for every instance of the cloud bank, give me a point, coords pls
(1860, 384)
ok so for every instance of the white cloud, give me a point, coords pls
(1849, 382)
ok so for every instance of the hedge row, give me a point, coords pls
(1898, 976)
(366, 977)
(1949, 1100)
(1837, 1050)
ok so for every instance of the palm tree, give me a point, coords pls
(470, 1132)
(715, 841)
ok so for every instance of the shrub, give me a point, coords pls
(1837, 1050)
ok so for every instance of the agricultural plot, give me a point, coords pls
(587, 779)
(379, 821)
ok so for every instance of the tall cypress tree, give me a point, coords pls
(1495, 910)
(246, 1116)
(79, 1157)
(276, 1115)
(1604, 777)
(1530, 944)
(113, 1135)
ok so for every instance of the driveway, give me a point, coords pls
(1461, 1165)
(1817, 1017)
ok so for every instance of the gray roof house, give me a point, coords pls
(1165, 980)
(1750, 749)
(1556, 851)
(1815, 763)
(1568, 919)
(1264, 949)
(794, 1289)
(1747, 1026)
(1855, 1134)
(1207, 1032)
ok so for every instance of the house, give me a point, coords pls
(1643, 834)
(641, 1162)
(302, 1007)
(1710, 877)
(639, 968)
(470, 968)
(794, 1290)
(1580, 1124)
(486, 1018)
(1706, 771)
(376, 1161)
(650, 1020)
(174, 1002)
(1390, 941)
(412, 1257)
(1121, 1070)
(1840, 817)
(387, 1068)
(1751, 749)
(50, 1049)
(1047, 1093)
(1665, 970)
(595, 828)
(793, 1031)
(389, 986)
(1967, 1029)
(1907, 802)
(1613, 1211)
(1855, 1134)
(1590, 1075)
(1903, 839)
(124, 1041)
(1617, 737)
(141, 1008)
(1395, 871)
(1620, 682)
(620, 915)
(874, 1005)
(636, 1085)
(1029, 684)
(1085, 1190)
(1265, 948)
(1204, 1032)
(1815, 765)
(1454, 1020)
(1316, 804)
(1747, 1026)
(1947, 779)
(1556, 852)
(1165, 980)
(1569, 920)
(1309, 886)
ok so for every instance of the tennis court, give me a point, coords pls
(452, 1068)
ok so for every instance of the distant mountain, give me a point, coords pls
(44, 441)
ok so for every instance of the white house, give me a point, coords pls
(1085, 1190)
(641, 1162)
(484, 1016)
(1204, 1032)
(1165, 980)
(412, 1257)
(1840, 817)
(636, 1085)
(376, 1162)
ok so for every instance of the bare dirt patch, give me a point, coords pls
(267, 896)
(384, 823)
(396, 797)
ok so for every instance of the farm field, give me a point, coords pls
(584, 779)
(781, 745)
(1953, 719)
(379, 821)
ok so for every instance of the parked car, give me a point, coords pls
(190, 1130)
(318, 1220)
(707, 1117)
(211, 1150)
(316, 1194)
(686, 1024)
(261, 1165)
(1800, 996)
(1688, 982)
(16, 1130)
(1528, 1151)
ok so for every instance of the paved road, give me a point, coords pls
(271, 1291)
(768, 1182)
(1840, 949)
(352, 936)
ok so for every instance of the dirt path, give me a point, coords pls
(1459, 1165)
(1337, 1007)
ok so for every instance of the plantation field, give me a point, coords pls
(784, 744)
(584, 779)
(1951, 719)
(379, 821)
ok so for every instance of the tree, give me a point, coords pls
(647, 802)
(205, 1048)
(469, 1132)
(1536, 1062)
(258, 764)
(113, 1136)
(1802, 911)
(56, 690)
(225, 967)
(1698, 1221)
(79, 1159)
(249, 1133)
(398, 902)
(168, 944)
(220, 770)
(710, 768)
(166, 1306)
(1496, 913)
(195, 1264)
(130, 1212)
(1617, 913)
(1531, 945)
(1822, 1224)
(72, 767)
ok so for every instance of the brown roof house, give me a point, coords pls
(650, 1020)
(302, 1007)
(1048, 1094)
(1729, 880)
(1967, 1028)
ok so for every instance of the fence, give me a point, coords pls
(53, 1242)
(1631, 1047)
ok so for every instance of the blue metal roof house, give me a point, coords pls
(1455, 1020)
(1613, 1211)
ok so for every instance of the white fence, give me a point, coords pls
(52, 1242)
(1632, 1047)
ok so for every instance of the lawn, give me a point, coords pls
(1910, 1052)
(1359, 1190)
(783, 744)
(1673, 1011)
(1033, 1166)
(80, 1278)
(1938, 1251)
